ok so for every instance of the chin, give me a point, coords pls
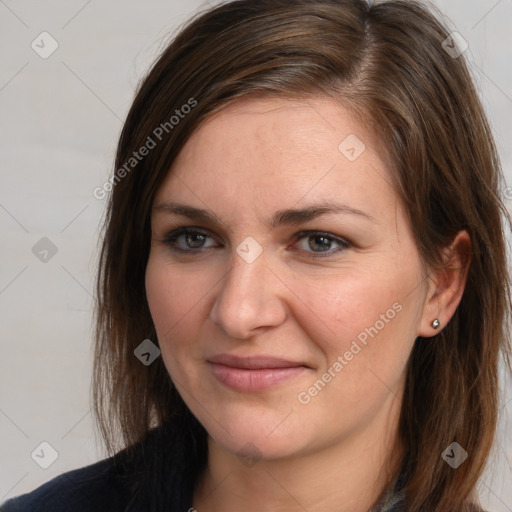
(252, 445)
(256, 433)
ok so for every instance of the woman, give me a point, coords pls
(303, 289)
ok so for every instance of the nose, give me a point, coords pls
(250, 299)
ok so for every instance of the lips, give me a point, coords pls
(255, 373)
(253, 362)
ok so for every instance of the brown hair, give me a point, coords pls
(387, 63)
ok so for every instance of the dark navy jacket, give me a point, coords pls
(108, 487)
(125, 482)
(100, 488)
(97, 487)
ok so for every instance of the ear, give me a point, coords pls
(446, 285)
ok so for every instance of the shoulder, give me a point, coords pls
(130, 479)
(97, 487)
(108, 485)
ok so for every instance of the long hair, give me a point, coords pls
(395, 65)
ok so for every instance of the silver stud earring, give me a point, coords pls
(435, 323)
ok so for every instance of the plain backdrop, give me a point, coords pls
(60, 120)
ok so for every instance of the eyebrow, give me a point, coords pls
(280, 218)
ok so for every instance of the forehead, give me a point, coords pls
(272, 151)
(271, 128)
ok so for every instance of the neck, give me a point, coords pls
(349, 476)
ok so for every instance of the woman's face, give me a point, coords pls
(286, 315)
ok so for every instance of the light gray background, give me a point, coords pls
(60, 119)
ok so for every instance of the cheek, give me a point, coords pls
(174, 301)
(369, 319)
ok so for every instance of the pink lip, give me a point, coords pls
(250, 374)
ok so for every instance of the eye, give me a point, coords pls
(191, 240)
(320, 243)
(317, 243)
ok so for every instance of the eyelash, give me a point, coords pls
(171, 238)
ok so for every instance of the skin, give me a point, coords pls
(267, 450)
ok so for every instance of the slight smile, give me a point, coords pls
(252, 374)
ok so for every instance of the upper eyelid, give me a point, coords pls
(206, 231)
(181, 230)
(304, 232)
